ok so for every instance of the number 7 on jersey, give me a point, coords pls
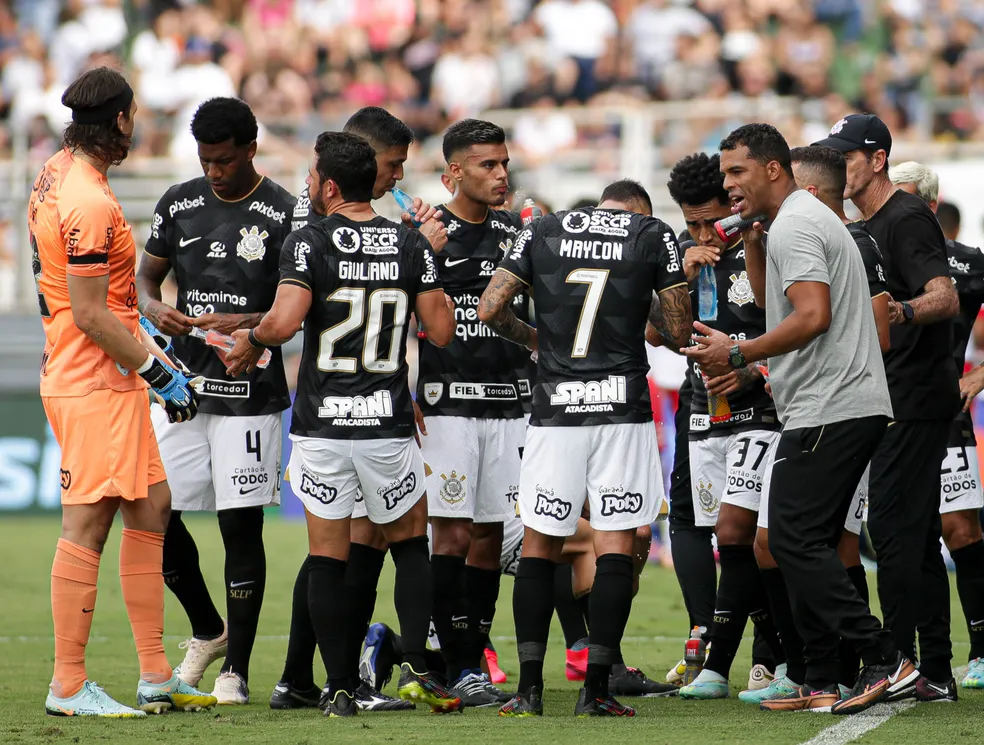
(595, 279)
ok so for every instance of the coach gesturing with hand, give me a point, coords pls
(829, 385)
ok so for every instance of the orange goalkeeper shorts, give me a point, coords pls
(108, 447)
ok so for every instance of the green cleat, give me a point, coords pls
(975, 674)
(422, 688)
(523, 706)
(156, 698)
(90, 701)
(778, 688)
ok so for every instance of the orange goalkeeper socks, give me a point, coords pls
(141, 557)
(73, 599)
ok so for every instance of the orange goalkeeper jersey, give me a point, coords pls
(77, 227)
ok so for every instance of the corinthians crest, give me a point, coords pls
(453, 488)
(740, 291)
(708, 502)
(252, 247)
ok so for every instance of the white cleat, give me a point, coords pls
(759, 677)
(199, 654)
(231, 690)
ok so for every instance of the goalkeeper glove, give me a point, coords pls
(172, 390)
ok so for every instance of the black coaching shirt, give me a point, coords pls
(871, 256)
(476, 374)
(593, 273)
(740, 318)
(922, 378)
(364, 279)
(967, 273)
(225, 257)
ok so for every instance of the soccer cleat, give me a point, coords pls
(577, 664)
(705, 690)
(928, 691)
(778, 688)
(631, 681)
(342, 704)
(378, 656)
(759, 677)
(473, 690)
(675, 675)
(975, 674)
(600, 707)
(423, 688)
(875, 683)
(90, 701)
(230, 689)
(500, 696)
(492, 662)
(523, 706)
(368, 698)
(199, 654)
(156, 698)
(804, 698)
(286, 696)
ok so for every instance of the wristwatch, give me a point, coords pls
(907, 312)
(736, 359)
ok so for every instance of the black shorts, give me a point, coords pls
(962, 432)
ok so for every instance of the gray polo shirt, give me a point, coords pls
(839, 375)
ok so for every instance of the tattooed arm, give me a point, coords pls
(938, 302)
(495, 309)
(670, 316)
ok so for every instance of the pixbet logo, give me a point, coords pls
(186, 204)
(267, 211)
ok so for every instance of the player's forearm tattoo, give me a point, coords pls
(939, 302)
(250, 320)
(495, 308)
(656, 313)
(677, 322)
(748, 375)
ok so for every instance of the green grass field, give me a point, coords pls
(654, 642)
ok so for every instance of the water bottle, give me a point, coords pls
(405, 203)
(731, 226)
(225, 342)
(530, 211)
(718, 408)
(694, 652)
(707, 294)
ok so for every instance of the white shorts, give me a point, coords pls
(474, 466)
(960, 477)
(217, 462)
(729, 469)
(856, 514)
(614, 467)
(328, 476)
(512, 543)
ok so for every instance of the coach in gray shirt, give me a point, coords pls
(829, 384)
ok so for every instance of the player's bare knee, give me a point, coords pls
(960, 529)
(614, 542)
(88, 525)
(452, 536)
(642, 544)
(367, 533)
(735, 526)
(763, 557)
(485, 551)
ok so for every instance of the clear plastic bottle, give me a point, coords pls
(694, 653)
(707, 294)
(405, 202)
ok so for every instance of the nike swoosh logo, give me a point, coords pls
(247, 491)
(730, 493)
(778, 460)
(976, 623)
(241, 584)
(184, 242)
(89, 610)
(870, 142)
(454, 262)
(941, 691)
(952, 499)
(458, 618)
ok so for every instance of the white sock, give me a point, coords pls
(709, 676)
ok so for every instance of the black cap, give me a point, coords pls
(857, 131)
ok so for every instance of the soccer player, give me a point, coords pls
(903, 514)
(390, 139)
(828, 381)
(470, 397)
(727, 455)
(94, 379)
(822, 171)
(961, 496)
(592, 274)
(221, 235)
(352, 280)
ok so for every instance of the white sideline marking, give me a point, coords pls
(855, 725)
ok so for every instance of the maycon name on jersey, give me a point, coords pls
(591, 397)
(357, 411)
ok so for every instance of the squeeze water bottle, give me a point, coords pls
(731, 226)
(530, 211)
(718, 408)
(225, 342)
(707, 294)
(694, 652)
(405, 203)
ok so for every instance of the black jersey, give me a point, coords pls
(593, 273)
(967, 273)
(740, 318)
(475, 375)
(525, 366)
(871, 256)
(225, 257)
(364, 278)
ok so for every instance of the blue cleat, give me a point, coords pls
(975, 674)
(90, 701)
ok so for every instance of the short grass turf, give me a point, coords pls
(654, 642)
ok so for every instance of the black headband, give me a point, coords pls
(106, 111)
